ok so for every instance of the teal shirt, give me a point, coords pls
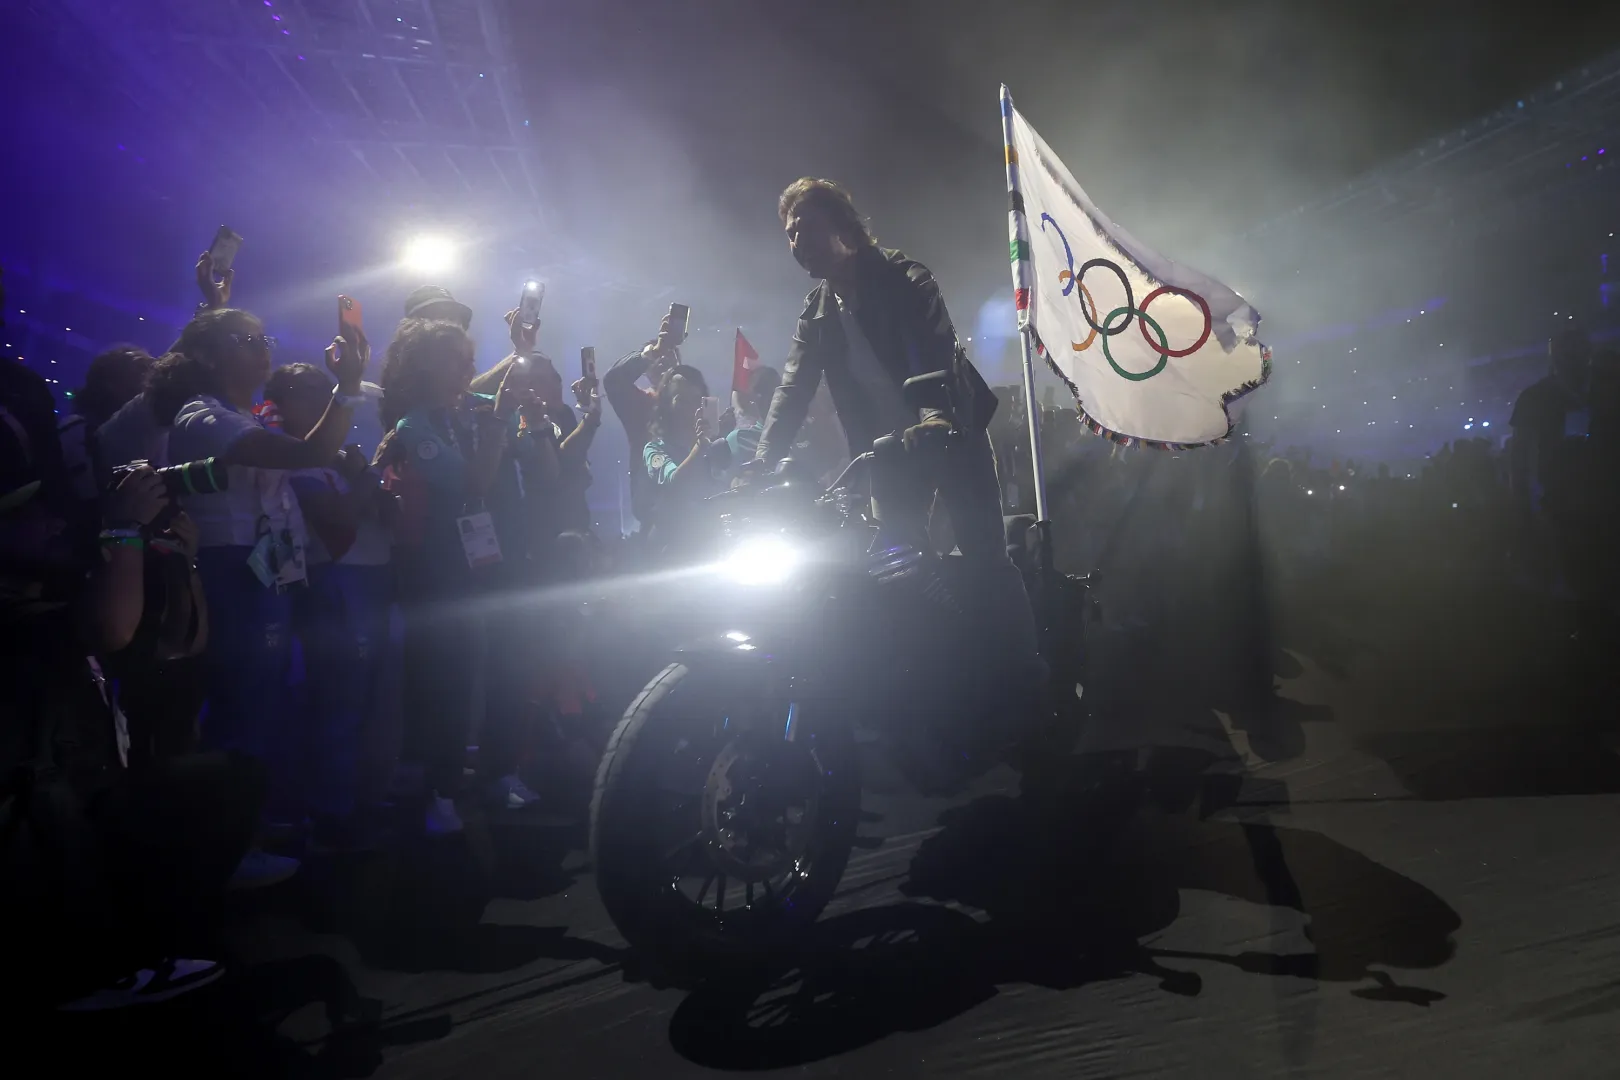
(428, 439)
(429, 445)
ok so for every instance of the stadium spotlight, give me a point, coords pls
(428, 254)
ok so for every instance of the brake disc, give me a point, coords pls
(757, 830)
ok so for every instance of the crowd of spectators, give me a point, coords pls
(253, 611)
(1495, 525)
(236, 636)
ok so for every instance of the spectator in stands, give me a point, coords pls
(751, 409)
(522, 503)
(1550, 423)
(441, 458)
(636, 406)
(252, 534)
(682, 458)
(342, 617)
(115, 377)
(565, 507)
(107, 870)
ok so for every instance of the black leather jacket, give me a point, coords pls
(903, 315)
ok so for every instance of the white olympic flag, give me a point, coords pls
(1154, 352)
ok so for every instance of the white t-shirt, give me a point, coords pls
(207, 427)
(888, 403)
(366, 431)
(372, 542)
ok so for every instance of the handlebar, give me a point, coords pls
(777, 481)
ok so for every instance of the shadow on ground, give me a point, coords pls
(232, 1029)
(1498, 763)
(1061, 923)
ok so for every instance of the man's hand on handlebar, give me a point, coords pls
(929, 433)
(751, 474)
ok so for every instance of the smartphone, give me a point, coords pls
(349, 316)
(680, 316)
(587, 362)
(711, 413)
(534, 294)
(223, 250)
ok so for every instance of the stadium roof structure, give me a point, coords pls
(412, 103)
(1558, 144)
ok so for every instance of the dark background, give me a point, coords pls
(631, 153)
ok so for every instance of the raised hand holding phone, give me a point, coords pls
(533, 296)
(679, 322)
(215, 294)
(346, 360)
(215, 268)
(349, 316)
(588, 397)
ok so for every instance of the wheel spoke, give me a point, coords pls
(720, 894)
(707, 881)
(684, 845)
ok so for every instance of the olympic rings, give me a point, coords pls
(1164, 356)
(1203, 306)
(1085, 298)
(1130, 301)
(1068, 253)
(1070, 277)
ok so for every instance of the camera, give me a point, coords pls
(352, 461)
(203, 477)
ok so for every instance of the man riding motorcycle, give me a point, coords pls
(875, 320)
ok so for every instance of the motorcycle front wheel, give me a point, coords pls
(722, 819)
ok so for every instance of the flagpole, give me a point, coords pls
(1022, 271)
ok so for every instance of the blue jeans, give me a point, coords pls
(343, 627)
(249, 644)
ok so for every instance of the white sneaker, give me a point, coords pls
(512, 793)
(148, 986)
(442, 818)
(259, 870)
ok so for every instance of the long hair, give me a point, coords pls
(418, 345)
(832, 198)
(664, 421)
(114, 376)
(191, 367)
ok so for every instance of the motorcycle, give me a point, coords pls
(726, 804)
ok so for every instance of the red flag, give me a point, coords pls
(744, 360)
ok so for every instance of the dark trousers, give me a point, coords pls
(249, 649)
(513, 634)
(963, 473)
(163, 702)
(440, 658)
(343, 625)
(106, 882)
(971, 493)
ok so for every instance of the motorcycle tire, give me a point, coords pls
(663, 928)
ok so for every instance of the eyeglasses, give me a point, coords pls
(268, 341)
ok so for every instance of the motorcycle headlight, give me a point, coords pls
(762, 560)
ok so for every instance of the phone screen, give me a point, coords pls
(534, 294)
(680, 316)
(223, 250)
(587, 362)
(348, 314)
